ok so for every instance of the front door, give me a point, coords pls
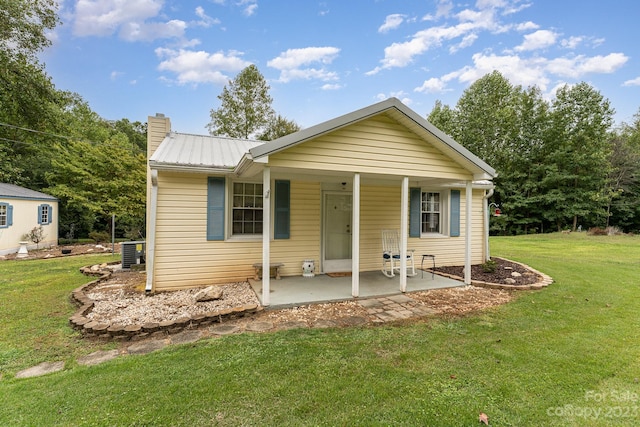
(337, 232)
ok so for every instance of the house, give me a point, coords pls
(218, 205)
(21, 210)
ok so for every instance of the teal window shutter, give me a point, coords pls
(9, 215)
(215, 208)
(454, 219)
(415, 197)
(282, 210)
(40, 214)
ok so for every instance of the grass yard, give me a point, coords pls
(568, 355)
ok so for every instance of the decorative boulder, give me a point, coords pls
(516, 274)
(210, 293)
(510, 281)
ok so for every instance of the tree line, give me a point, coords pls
(561, 165)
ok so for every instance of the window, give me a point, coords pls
(4, 215)
(44, 214)
(431, 212)
(434, 213)
(247, 208)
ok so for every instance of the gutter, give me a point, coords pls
(151, 231)
(485, 209)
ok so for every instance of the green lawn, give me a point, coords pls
(566, 355)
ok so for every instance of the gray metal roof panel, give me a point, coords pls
(202, 150)
(16, 192)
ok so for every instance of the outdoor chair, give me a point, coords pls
(391, 255)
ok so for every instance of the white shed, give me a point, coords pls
(21, 210)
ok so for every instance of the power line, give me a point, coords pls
(35, 131)
(68, 138)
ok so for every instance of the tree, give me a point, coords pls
(576, 154)
(623, 189)
(245, 108)
(277, 128)
(27, 96)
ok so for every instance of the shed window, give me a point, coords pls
(247, 208)
(4, 215)
(44, 214)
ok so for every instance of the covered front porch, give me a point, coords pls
(298, 290)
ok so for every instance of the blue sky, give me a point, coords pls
(134, 58)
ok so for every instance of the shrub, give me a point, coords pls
(100, 236)
(489, 266)
(36, 235)
(597, 231)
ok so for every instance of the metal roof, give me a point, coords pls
(395, 109)
(12, 191)
(200, 151)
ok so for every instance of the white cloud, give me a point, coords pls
(391, 23)
(331, 86)
(128, 18)
(532, 71)
(470, 23)
(432, 85)
(205, 20)
(632, 82)
(576, 67)
(466, 42)
(572, 42)
(537, 40)
(401, 95)
(115, 75)
(193, 67)
(526, 26)
(250, 7)
(293, 63)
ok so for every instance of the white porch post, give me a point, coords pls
(355, 238)
(404, 214)
(467, 235)
(266, 234)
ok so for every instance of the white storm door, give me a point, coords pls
(337, 215)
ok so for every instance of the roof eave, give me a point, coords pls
(172, 167)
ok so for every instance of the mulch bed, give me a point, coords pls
(503, 271)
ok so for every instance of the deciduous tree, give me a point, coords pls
(245, 108)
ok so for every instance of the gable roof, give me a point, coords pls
(182, 150)
(12, 191)
(397, 111)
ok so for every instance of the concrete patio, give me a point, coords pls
(298, 290)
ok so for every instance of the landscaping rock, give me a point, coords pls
(98, 357)
(41, 369)
(210, 293)
(510, 281)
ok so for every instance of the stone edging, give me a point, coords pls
(545, 280)
(91, 328)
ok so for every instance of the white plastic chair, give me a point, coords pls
(391, 254)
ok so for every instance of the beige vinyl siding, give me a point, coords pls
(380, 209)
(184, 257)
(377, 145)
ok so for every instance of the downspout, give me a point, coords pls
(485, 208)
(151, 231)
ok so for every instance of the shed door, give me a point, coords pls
(337, 232)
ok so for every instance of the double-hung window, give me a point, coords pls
(247, 208)
(431, 212)
(44, 214)
(4, 215)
